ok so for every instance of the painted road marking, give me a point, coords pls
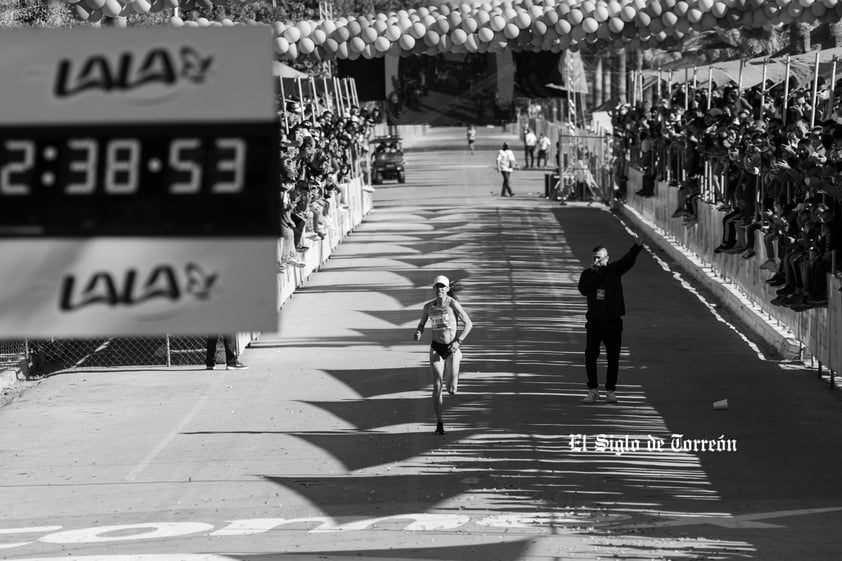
(144, 463)
(30, 530)
(731, 521)
(537, 522)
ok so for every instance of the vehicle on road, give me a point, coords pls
(387, 161)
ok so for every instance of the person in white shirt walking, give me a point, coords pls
(506, 164)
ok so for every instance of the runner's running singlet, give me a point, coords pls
(442, 319)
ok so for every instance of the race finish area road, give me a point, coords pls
(324, 449)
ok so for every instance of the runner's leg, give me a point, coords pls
(437, 368)
(452, 371)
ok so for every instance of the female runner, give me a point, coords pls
(445, 347)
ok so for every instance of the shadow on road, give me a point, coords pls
(521, 440)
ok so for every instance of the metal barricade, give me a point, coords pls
(586, 166)
(13, 355)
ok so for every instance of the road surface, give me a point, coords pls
(324, 449)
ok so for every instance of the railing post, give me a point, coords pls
(169, 355)
(26, 358)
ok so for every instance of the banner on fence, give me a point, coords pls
(138, 182)
(136, 286)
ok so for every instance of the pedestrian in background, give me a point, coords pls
(602, 286)
(506, 164)
(543, 149)
(529, 143)
(471, 134)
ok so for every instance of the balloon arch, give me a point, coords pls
(518, 25)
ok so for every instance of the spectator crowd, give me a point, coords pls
(321, 152)
(772, 169)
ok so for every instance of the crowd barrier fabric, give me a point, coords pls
(817, 330)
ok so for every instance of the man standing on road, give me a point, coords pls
(231, 360)
(602, 286)
(506, 164)
(543, 149)
(529, 142)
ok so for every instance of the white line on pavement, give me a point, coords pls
(144, 463)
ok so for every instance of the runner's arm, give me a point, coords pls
(421, 324)
(462, 315)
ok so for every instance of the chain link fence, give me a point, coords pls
(36, 358)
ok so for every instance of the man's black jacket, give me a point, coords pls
(613, 305)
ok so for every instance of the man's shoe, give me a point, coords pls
(439, 428)
(794, 299)
(722, 247)
(779, 301)
(610, 397)
(209, 366)
(236, 365)
(776, 282)
(769, 265)
(736, 249)
(592, 397)
(785, 291)
(797, 303)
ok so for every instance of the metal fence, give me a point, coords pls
(35, 358)
(13, 356)
(586, 166)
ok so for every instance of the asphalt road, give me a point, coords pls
(324, 449)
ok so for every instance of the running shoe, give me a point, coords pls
(439, 428)
(610, 397)
(592, 397)
(236, 365)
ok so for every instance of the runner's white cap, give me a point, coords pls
(441, 279)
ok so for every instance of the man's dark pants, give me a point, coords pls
(611, 334)
(506, 188)
(228, 342)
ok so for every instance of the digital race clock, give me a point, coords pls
(159, 180)
(139, 182)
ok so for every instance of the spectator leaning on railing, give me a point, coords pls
(320, 154)
(760, 169)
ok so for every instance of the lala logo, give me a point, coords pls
(162, 283)
(130, 71)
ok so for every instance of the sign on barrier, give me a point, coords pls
(138, 182)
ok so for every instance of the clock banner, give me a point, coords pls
(135, 286)
(138, 168)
